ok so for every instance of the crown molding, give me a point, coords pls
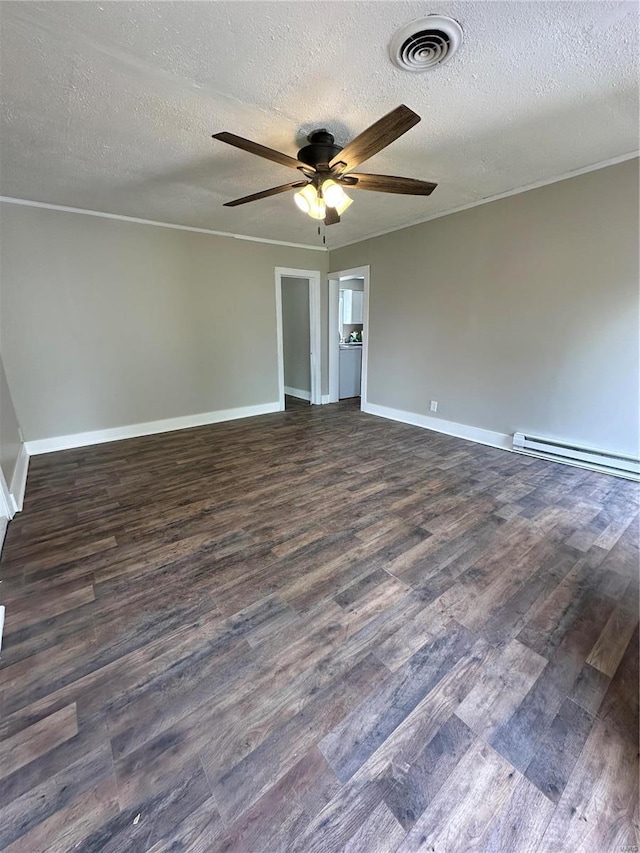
(603, 164)
(136, 221)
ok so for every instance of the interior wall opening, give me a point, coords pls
(298, 322)
(348, 335)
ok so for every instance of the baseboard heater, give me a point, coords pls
(584, 457)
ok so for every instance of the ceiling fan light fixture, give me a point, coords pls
(344, 204)
(332, 193)
(318, 209)
(335, 196)
(311, 202)
(306, 198)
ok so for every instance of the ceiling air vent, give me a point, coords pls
(426, 43)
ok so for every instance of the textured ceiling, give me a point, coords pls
(111, 106)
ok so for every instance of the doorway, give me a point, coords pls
(298, 337)
(348, 334)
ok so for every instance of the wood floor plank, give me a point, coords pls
(487, 587)
(425, 626)
(503, 684)
(507, 621)
(248, 696)
(275, 819)
(251, 777)
(36, 608)
(125, 830)
(520, 824)
(615, 636)
(589, 689)
(196, 833)
(30, 743)
(48, 633)
(267, 616)
(295, 634)
(620, 705)
(349, 745)
(599, 799)
(558, 749)
(463, 809)
(420, 726)
(379, 833)
(571, 618)
(168, 797)
(291, 545)
(68, 828)
(68, 553)
(517, 737)
(51, 795)
(409, 788)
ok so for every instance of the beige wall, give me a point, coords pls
(521, 314)
(10, 442)
(108, 323)
(296, 336)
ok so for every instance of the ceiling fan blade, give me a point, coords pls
(265, 193)
(385, 131)
(390, 184)
(331, 216)
(260, 150)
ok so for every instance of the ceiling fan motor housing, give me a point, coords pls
(321, 149)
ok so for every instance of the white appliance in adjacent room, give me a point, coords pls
(350, 370)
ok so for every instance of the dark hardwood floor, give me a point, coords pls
(318, 631)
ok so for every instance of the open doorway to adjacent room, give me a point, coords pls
(348, 334)
(298, 320)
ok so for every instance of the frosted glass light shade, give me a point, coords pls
(318, 209)
(306, 198)
(332, 193)
(335, 196)
(344, 204)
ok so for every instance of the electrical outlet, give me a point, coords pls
(434, 406)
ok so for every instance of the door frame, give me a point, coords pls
(334, 339)
(315, 337)
(7, 506)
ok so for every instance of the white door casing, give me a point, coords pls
(315, 337)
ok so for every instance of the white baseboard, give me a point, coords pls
(297, 392)
(84, 439)
(480, 436)
(19, 479)
(325, 399)
(501, 440)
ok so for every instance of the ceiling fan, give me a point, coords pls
(326, 168)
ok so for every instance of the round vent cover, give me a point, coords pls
(426, 43)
